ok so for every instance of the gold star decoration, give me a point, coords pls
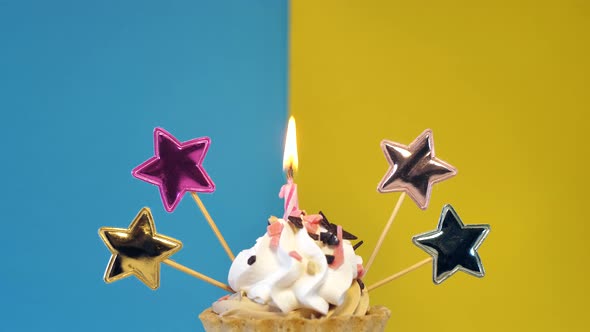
(137, 250)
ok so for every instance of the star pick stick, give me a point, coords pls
(399, 274)
(398, 205)
(213, 225)
(176, 168)
(139, 250)
(413, 170)
(198, 275)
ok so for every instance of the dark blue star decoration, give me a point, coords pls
(453, 246)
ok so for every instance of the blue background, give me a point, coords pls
(82, 85)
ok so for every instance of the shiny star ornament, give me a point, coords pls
(453, 246)
(137, 250)
(414, 168)
(176, 167)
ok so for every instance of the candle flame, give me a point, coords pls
(290, 160)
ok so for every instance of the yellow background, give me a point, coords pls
(504, 85)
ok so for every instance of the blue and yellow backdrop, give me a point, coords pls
(503, 85)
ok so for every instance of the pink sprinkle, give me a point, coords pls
(274, 242)
(360, 271)
(274, 229)
(338, 251)
(223, 298)
(311, 228)
(313, 218)
(296, 213)
(312, 222)
(295, 255)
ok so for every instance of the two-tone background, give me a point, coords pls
(504, 86)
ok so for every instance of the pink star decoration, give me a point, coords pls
(176, 167)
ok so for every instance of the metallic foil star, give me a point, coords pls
(414, 168)
(176, 167)
(453, 246)
(137, 250)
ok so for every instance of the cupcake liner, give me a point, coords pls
(375, 320)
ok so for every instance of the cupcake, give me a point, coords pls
(301, 275)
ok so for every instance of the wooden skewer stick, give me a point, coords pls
(213, 226)
(198, 275)
(400, 200)
(400, 274)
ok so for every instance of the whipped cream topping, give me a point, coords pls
(292, 272)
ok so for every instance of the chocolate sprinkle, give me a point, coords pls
(330, 259)
(296, 221)
(329, 238)
(252, 260)
(314, 236)
(361, 284)
(347, 236)
(333, 228)
(358, 244)
(324, 222)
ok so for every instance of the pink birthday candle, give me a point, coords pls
(290, 163)
(289, 193)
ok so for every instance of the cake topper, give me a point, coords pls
(413, 170)
(176, 167)
(453, 246)
(137, 250)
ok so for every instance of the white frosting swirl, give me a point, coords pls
(279, 279)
